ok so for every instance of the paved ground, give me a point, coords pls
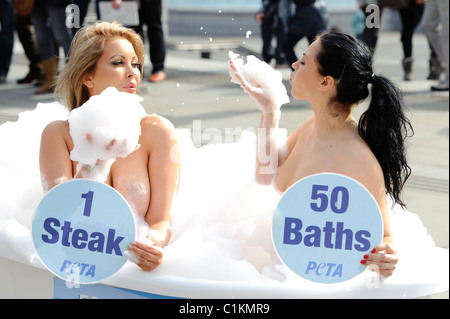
(198, 93)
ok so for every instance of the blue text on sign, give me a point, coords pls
(80, 238)
(82, 269)
(332, 234)
(326, 269)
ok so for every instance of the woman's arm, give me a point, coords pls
(56, 166)
(54, 157)
(164, 174)
(271, 141)
(383, 258)
(270, 149)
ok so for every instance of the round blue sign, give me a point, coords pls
(81, 229)
(323, 226)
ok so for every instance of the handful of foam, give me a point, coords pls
(106, 126)
(261, 77)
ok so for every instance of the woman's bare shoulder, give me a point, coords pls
(363, 166)
(58, 125)
(157, 128)
(300, 132)
(56, 128)
(156, 124)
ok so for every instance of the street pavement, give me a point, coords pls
(198, 95)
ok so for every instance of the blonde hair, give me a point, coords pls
(86, 48)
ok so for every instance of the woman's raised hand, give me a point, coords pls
(260, 81)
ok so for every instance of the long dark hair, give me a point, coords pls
(383, 125)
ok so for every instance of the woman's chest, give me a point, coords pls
(129, 176)
(305, 159)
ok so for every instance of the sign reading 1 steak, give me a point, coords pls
(81, 229)
(323, 226)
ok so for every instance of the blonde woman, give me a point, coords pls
(109, 55)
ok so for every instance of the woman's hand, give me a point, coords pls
(148, 256)
(108, 147)
(100, 170)
(259, 17)
(116, 4)
(264, 102)
(384, 258)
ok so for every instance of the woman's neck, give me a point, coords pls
(330, 121)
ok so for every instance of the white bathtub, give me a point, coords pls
(22, 280)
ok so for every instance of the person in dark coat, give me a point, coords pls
(272, 18)
(49, 18)
(310, 19)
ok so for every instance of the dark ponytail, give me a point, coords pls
(384, 125)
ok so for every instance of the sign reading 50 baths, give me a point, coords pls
(324, 225)
(81, 229)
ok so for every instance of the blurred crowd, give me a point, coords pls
(41, 27)
(286, 22)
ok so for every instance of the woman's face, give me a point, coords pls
(118, 66)
(305, 75)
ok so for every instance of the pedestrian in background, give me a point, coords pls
(411, 17)
(309, 20)
(273, 17)
(83, 6)
(358, 23)
(6, 37)
(150, 14)
(25, 33)
(370, 34)
(435, 24)
(49, 18)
